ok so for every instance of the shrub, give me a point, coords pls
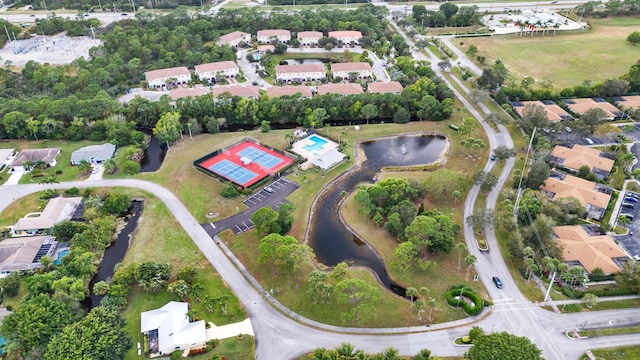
(72, 192)
(131, 167)
(229, 192)
(461, 290)
(196, 352)
(176, 355)
(58, 172)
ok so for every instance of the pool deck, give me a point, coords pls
(299, 148)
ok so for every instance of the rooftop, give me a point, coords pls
(19, 253)
(632, 102)
(554, 112)
(166, 73)
(274, 32)
(300, 68)
(233, 36)
(345, 33)
(180, 93)
(583, 190)
(276, 91)
(341, 89)
(57, 210)
(578, 156)
(97, 152)
(215, 66)
(235, 90)
(310, 34)
(46, 155)
(385, 87)
(580, 106)
(590, 250)
(351, 66)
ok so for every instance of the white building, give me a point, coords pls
(173, 76)
(49, 156)
(346, 36)
(235, 39)
(168, 329)
(309, 38)
(266, 36)
(300, 72)
(212, 70)
(94, 154)
(361, 70)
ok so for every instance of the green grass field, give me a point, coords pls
(568, 58)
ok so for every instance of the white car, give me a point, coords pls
(94, 170)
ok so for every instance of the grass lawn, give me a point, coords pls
(159, 238)
(568, 58)
(69, 173)
(18, 209)
(630, 352)
(602, 305)
(611, 331)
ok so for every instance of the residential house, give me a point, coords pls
(57, 210)
(309, 38)
(352, 70)
(593, 196)
(210, 71)
(628, 102)
(554, 112)
(6, 156)
(300, 72)
(581, 106)
(574, 158)
(341, 89)
(24, 253)
(168, 329)
(277, 91)
(590, 248)
(235, 39)
(267, 36)
(250, 92)
(94, 154)
(346, 37)
(181, 93)
(391, 87)
(171, 76)
(48, 155)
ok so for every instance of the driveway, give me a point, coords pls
(14, 178)
(98, 174)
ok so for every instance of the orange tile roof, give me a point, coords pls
(351, 66)
(385, 87)
(235, 90)
(578, 156)
(166, 73)
(273, 32)
(300, 68)
(310, 34)
(590, 251)
(179, 93)
(580, 106)
(342, 89)
(629, 101)
(583, 190)
(345, 33)
(276, 91)
(232, 36)
(554, 112)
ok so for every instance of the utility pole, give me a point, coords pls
(526, 158)
(546, 296)
(133, 5)
(93, 34)
(7, 31)
(46, 11)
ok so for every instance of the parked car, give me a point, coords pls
(94, 170)
(497, 281)
(589, 141)
(269, 190)
(567, 129)
(630, 199)
(493, 157)
(628, 205)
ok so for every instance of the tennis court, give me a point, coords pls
(244, 163)
(260, 157)
(233, 172)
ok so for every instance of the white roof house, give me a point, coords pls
(328, 159)
(94, 153)
(57, 210)
(176, 75)
(168, 329)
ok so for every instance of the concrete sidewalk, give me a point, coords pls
(231, 330)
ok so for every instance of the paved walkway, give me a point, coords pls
(14, 178)
(226, 331)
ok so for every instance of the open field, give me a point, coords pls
(567, 59)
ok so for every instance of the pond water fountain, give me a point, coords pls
(331, 241)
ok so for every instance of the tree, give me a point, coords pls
(406, 253)
(270, 249)
(99, 335)
(285, 217)
(360, 295)
(412, 294)
(116, 204)
(394, 225)
(509, 347)
(462, 248)
(265, 126)
(590, 300)
(480, 219)
(420, 232)
(469, 261)
(630, 275)
(179, 288)
(424, 354)
(486, 180)
(168, 128)
(265, 220)
(401, 116)
(368, 111)
(479, 95)
(316, 118)
(32, 325)
(503, 153)
(634, 38)
(432, 303)
(10, 285)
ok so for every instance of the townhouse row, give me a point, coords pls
(306, 38)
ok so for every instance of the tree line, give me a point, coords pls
(448, 14)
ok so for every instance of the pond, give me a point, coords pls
(153, 156)
(331, 241)
(303, 61)
(115, 253)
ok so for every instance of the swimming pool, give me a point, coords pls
(318, 144)
(60, 256)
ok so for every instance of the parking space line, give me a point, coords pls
(239, 230)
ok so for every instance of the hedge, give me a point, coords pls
(468, 293)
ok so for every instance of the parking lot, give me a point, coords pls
(631, 241)
(274, 196)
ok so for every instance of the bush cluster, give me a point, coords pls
(468, 293)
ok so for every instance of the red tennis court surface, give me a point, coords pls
(245, 163)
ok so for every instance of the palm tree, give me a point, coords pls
(432, 305)
(289, 137)
(424, 291)
(84, 167)
(412, 294)
(192, 314)
(462, 248)
(40, 165)
(456, 194)
(27, 165)
(420, 308)
(469, 261)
